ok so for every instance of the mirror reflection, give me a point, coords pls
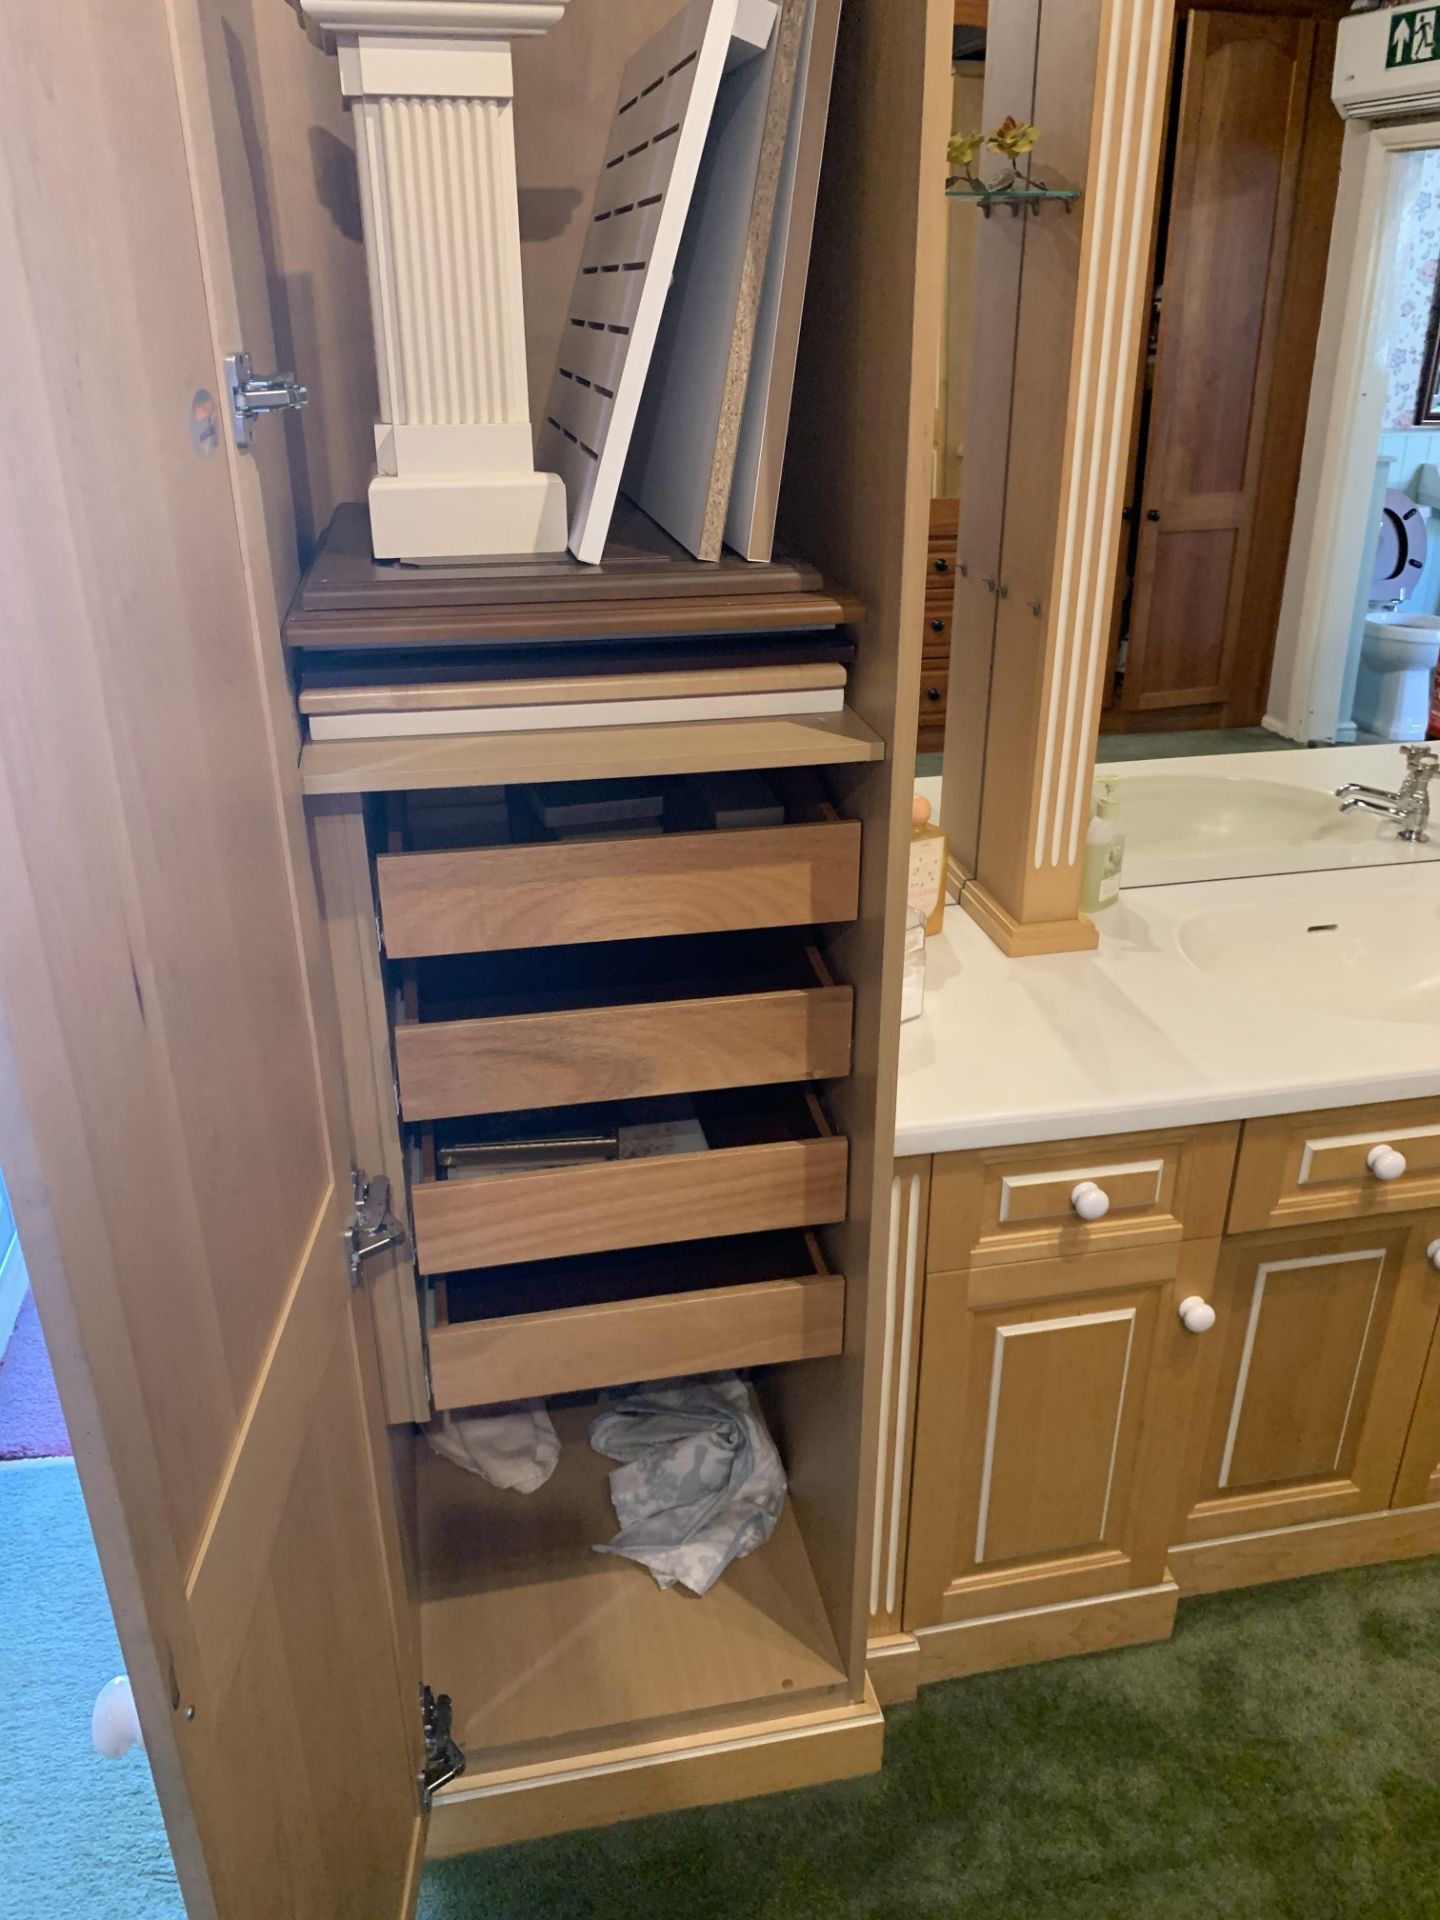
(1271, 682)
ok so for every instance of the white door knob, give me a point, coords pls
(1432, 1254)
(1386, 1163)
(115, 1725)
(1196, 1314)
(1089, 1201)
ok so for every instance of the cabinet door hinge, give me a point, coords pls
(444, 1761)
(372, 1226)
(253, 394)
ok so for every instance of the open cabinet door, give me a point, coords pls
(170, 1120)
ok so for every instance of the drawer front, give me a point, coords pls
(1030, 1203)
(487, 899)
(507, 1218)
(936, 644)
(1334, 1165)
(934, 693)
(447, 1068)
(661, 1336)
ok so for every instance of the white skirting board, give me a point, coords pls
(590, 713)
(760, 455)
(653, 151)
(682, 453)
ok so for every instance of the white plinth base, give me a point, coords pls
(466, 516)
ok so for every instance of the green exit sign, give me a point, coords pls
(1412, 37)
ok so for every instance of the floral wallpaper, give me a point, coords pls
(1419, 254)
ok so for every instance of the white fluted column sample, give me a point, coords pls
(432, 88)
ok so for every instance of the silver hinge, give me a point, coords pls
(444, 1761)
(252, 394)
(372, 1226)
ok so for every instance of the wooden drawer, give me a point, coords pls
(572, 1326)
(773, 1161)
(555, 893)
(934, 694)
(1018, 1203)
(566, 1026)
(938, 616)
(1316, 1166)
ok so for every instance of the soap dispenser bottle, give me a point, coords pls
(1104, 851)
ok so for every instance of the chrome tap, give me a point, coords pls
(1410, 806)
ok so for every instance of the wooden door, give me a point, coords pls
(1315, 1363)
(1049, 1436)
(1417, 1483)
(1240, 131)
(167, 1113)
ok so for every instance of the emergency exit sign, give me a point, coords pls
(1412, 38)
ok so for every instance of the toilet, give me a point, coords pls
(1399, 651)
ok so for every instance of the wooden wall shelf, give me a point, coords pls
(591, 753)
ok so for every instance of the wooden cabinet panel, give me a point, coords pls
(1418, 1481)
(1298, 1167)
(1049, 1446)
(1313, 1369)
(1018, 1203)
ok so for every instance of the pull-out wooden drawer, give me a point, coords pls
(606, 1319)
(564, 1026)
(558, 892)
(772, 1161)
(1078, 1196)
(1341, 1164)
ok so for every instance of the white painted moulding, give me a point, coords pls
(432, 87)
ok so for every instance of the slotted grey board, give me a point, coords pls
(667, 96)
(682, 453)
(760, 456)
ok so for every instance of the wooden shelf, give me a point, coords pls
(592, 753)
(543, 1644)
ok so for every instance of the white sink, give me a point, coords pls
(1376, 960)
(1161, 812)
(1203, 823)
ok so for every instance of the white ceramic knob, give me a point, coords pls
(1432, 1254)
(115, 1725)
(1089, 1201)
(1196, 1314)
(1386, 1163)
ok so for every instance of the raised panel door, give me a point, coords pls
(1049, 1439)
(1313, 1370)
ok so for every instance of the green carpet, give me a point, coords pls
(1279, 1757)
(79, 1836)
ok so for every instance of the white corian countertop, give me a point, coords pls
(1136, 1035)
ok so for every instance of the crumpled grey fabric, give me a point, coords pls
(701, 1483)
(514, 1446)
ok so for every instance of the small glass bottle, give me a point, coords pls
(912, 985)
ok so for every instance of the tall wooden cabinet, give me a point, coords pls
(197, 1050)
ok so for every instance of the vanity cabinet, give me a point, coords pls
(1162, 1363)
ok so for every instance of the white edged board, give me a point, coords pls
(682, 451)
(653, 151)
(580, 713)
(760, 456)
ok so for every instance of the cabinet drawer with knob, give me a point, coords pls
(999, 1204)
(1342, 1164)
